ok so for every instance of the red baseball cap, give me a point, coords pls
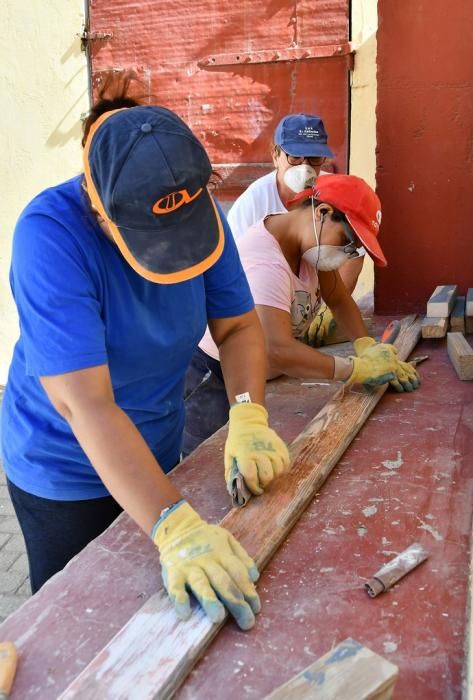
(357, 200)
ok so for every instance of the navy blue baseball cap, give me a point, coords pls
(302, 135)
(147, 175)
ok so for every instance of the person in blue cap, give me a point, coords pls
(299, 151)
(115, 274)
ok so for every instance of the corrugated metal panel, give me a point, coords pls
(206, 62)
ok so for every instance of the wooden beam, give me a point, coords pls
(434, 327)
(152, 654)
(461, 355)
(469, 302)
(350, 671)
(457, 317)
(469, 311)
(441, 302)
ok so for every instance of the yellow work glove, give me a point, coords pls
(361, 344)
(321, 326)
(382, 357)
(207, 560)
(259, 452)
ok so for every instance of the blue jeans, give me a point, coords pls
(55, 531)
(205, 401)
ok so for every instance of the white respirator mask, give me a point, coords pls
(299, 177)
(326, 257)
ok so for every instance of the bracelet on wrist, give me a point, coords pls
(164, 514)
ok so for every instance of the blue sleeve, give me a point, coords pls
(60, 313)
(226, 287)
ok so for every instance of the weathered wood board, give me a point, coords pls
(434, 327)
(350, 671)
(153, 653)
(469, 311)
(460, 353)
(469, 302)
(457, 317)
(442, 300)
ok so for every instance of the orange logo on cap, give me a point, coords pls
(173, 201)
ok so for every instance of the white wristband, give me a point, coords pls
(343, 367)
(243, 398)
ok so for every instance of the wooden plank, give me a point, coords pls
(350, 671)
(457, 317)
(461, 355)
(434, 327)
(153, 653)
(442, 300)
(469, 311)
(469, 302)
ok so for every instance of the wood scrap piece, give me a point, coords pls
(460, 353)
(441, 302)
(152, 654)
(469, 302)
(350, 671)
(434, 327)
(469, 311)
(457, 317)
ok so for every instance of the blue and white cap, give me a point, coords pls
(302, 135)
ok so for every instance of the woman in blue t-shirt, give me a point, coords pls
(116, 274)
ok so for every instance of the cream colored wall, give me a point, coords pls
(363, 109)
(44, 88)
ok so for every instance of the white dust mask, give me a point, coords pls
(326, 257)
(299, 177)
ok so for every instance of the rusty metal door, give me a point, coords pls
(231, 70)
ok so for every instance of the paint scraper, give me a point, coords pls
(237, 488)
(391, 332)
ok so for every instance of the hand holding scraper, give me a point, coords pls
(254, 453)
(390, 334)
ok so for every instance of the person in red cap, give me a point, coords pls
(115, 274)
(291, 262)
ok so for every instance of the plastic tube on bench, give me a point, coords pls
(395, 569)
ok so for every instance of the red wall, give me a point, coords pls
(425, 149)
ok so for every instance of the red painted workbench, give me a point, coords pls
(407, 477)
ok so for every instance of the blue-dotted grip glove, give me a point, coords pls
(207, 560)
(378, 360)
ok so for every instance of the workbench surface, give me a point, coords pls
(406, 478)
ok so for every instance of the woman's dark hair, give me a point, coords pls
(335, 215)
(114, 93)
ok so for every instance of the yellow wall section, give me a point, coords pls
(44, 88)
(363, 110)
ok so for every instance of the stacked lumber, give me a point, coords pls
(469, 311)
(446, 311)
(461, 355)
